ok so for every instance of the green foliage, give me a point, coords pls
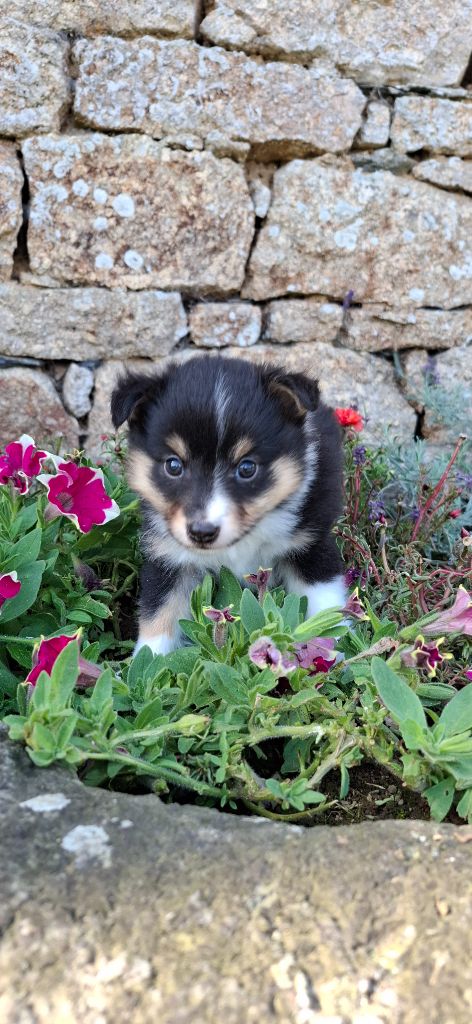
(213, 721)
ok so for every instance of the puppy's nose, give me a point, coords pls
(201, 532)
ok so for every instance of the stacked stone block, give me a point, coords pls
(271, 178)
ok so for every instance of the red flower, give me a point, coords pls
(349, 418)
(21, 462)
(10, 586)
(46, 654)
(78, 492)
(456, 512)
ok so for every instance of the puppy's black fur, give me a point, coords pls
(238, 465)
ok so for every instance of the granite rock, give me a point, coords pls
(433, 124)
(29, 404)
(179, 89)
(446, 172)
(95, 17)
(11, 184)
(183, 914)
(375, 129)
(291, 320)
(332, 229)
(124, 210)
(88, 323)
(34, 84)
(77, 388)
(392, 41)
(218, 324)
(380, 328)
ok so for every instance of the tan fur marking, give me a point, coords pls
(166, 620)
(288, 399)
(177, 444)
(241, 448)
(139, 478)
(287, 478)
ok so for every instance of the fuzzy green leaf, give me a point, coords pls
(397, 696)
(440, 798)
(252, 615)
(456, 717)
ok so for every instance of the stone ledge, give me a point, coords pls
(183, 914)
(96, 17)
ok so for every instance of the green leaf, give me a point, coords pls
(440, 798)
(291, 611)
(457, 715)
(182, 661)
(412, 734)
(317, 624)
(229, 591)
(102, 693)
(345, 781)
(252, 615)
(226, 683)
(464, 807)
(150, 714)
(24, 552)
(30, 580)
(64, 676)
(397, 696)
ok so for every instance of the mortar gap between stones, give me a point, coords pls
(21, 260)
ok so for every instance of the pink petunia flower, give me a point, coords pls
(10, 586)
(469, 673)
(425, 656)
(457, 619)
(265, 654)
(78, 492)
(317, 654)
(46, 654)
(21, 462)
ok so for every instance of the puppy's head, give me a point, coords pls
(216, 444)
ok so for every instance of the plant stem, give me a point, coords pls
(31, 640)
(185, 781)
(439, 486)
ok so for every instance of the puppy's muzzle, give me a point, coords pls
(202, 533)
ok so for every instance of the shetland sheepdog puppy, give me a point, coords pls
(237, 465)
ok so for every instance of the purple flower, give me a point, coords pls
(354, 606)
(457, 619)
(259, 579)
(414, 513)
(425, 655)
(359, 454)
(317, 654)
(348, 299)
(351, 576)
(265, 654)
(220, 618)
(377, 512)
(464, 480)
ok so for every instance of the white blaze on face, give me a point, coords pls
(221, 511)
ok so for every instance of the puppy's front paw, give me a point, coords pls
(160, 644)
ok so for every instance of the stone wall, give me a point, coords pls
(286, 179)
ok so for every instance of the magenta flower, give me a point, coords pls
(317, 654)
(259, 579)
(457, 619)
(220, 618)
(78, 492)
(46, 654)
(469, 673)
(425, 656)
(21, 462)
(265, 654)
(10, 586)
(220, 615)
(354, 606)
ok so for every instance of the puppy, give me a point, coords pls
(238, 465)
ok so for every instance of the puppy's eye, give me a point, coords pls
(246, 469)
(174, 466)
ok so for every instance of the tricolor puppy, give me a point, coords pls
(237, 465)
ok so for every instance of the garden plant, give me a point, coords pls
(261, 710)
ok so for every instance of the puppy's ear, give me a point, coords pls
(295, 393)
(131, 396)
